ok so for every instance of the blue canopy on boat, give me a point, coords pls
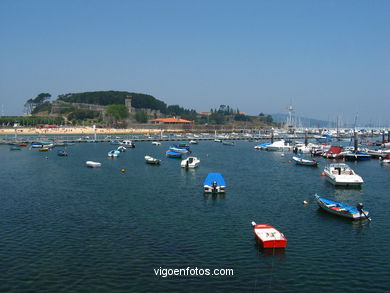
(211, 177)
(341, 205)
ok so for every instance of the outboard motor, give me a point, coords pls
(359, 207)
(214, 186)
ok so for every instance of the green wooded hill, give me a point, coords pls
(105, 98)
(115, 99)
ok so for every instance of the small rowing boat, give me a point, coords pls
(342, 209)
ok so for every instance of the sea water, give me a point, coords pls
(68, 228)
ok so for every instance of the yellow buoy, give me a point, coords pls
(305, 202)
(123, 170)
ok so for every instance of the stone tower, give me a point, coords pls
(128, 103)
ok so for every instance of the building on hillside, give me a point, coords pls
(172, 120)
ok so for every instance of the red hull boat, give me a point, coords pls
(268, 236)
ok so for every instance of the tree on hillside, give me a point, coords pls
(117, 112)
(141, 117)
(41, 98)
(37, 101)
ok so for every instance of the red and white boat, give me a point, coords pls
(268, 236)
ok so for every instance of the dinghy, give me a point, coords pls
(93, 164)
(305, 162)
(152, 161)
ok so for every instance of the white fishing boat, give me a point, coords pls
(93, 164)
(341, 174)
(190, 162)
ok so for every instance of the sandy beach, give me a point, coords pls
(78, 130)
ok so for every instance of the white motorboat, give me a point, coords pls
(128, 144)
(93, 164)
(190, 162)
(156, 143)
(113, 153)
(193, 142)
(342, 175)
(279, 146)
(385, 160)
(121, 149)
(305, 149)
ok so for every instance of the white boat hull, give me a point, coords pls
(93, 164)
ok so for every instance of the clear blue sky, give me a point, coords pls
(329, 57)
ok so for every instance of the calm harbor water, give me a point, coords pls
(68, 228)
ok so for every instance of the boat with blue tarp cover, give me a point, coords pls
(214, 183)
(342, 209)
(172, 154)
(176, 149)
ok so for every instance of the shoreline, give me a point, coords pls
(79, 130)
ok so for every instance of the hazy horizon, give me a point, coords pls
(326, 58)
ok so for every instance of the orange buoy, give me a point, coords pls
(289, 161)
(323, 174)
